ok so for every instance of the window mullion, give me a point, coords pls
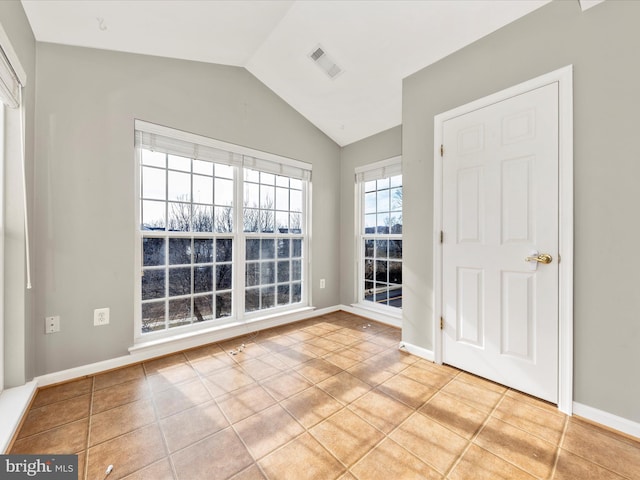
(239, 254)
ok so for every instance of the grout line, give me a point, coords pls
(559, 447)
(475, 435)
(87, 440)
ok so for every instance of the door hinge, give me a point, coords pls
(441, 323)
(441, 236)
(442, 150)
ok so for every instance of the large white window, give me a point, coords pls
(205, 260)
(379, 187)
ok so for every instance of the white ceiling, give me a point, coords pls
(376, 42)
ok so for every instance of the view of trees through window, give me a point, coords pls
(189, 235)
(382, 241)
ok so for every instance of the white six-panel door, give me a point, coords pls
(500, 206)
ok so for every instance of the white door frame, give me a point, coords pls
(564, 78)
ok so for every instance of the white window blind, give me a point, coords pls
(197, 150)
(175, 142)
(290, 168)
(378, 170)
(12, 76)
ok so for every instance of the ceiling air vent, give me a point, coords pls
(321, 59)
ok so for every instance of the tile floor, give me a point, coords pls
(327, 398)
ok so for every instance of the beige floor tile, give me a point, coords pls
(161, 364)
(206, 351)
(572, 467)
(390, 461)
(341, 338)
(304, 458)
(311, 406)
(347, 476)
(169, 377)
(181, 397)
(380, 410)
(342, 361)
(370, 374)
(127, 453)
(481, 382)
(82, 457)
(440, 369)
(285, 385)
(344, 387)
(219, 456)
(454, 414)
(393, 360)
(346, 436)
(317, 370)
(55, 414)
(541, 423)
(622, 456)
(479, 464)
(189, 426)
(244, 402)
(120, 420)
(227, 380)
(120, 394)
(292, 358)
(258, 369)
(120, 375)
(267, 430)
(473, 395)
(408, 391)
(65, 391)
(157, 471)
(67, 439)
(211, 364)
(430, 442)
(426, 376)
(536, 402)
(277, 342)
(251, 473)
(526, 451)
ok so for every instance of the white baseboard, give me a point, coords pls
(141, 352)
(607, 419)
(372, 315)
(13, 405)
(418, 351)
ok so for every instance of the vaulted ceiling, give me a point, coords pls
(375, 43)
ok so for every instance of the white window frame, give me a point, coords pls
(382, 169)
(242, 157)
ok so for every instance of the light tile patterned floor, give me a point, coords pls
(327, 398)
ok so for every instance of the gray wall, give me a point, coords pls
(87, 101)
(602, 44)
(381, 146)
(18, 358)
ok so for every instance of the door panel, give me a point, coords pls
(500, 204)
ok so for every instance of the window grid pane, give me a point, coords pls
(273, 272)
(186, 278)
(187, 215)
(382, 241)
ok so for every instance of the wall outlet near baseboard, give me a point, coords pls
(100, 317)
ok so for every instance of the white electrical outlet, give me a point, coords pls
(100, 317)
(322, 284)
(52, 324)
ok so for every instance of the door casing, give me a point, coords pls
(564, 78)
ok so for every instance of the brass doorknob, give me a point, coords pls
(542, 258)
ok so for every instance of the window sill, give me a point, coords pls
(387, 316)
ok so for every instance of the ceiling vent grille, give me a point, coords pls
(327, 65)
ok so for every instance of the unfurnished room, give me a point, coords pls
(305, 239)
